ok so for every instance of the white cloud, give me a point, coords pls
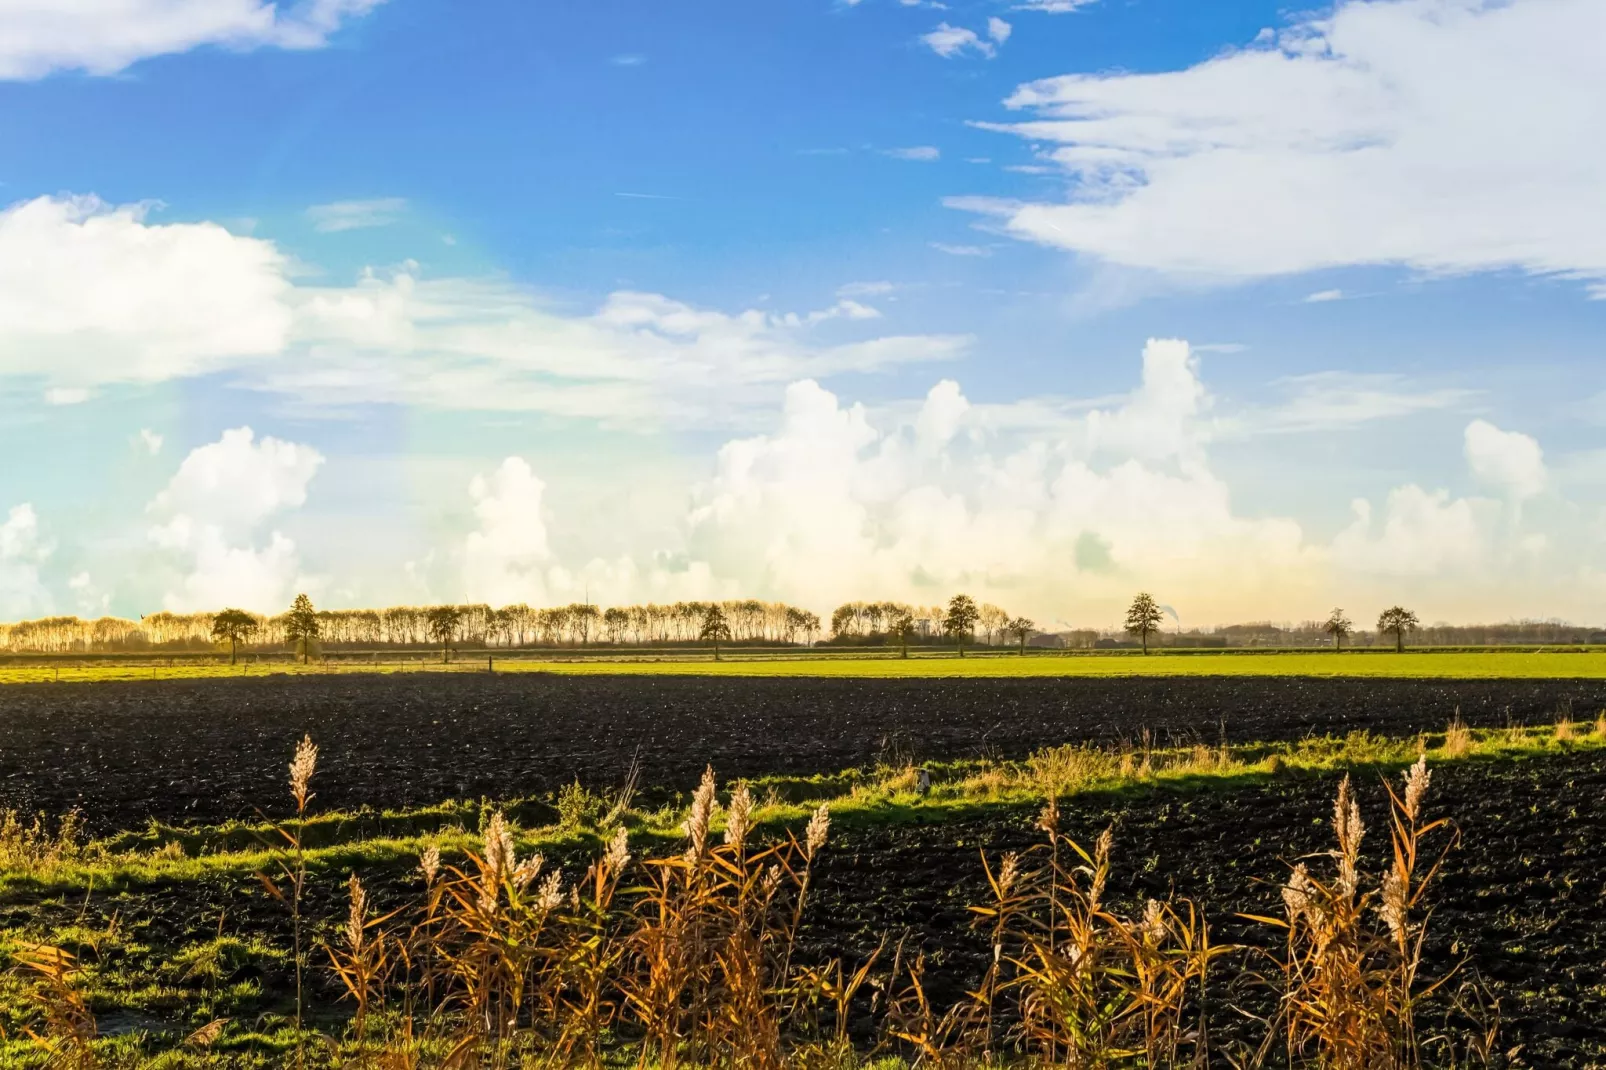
(91, 294)
(1438, 135)
(1326, 400)
(951, 41)
(639, 361)
(355, 215)
(506, 557)
(1421, 533)
(1509, 461)
(22, 551)
(105, 36)
(1054, 7)
(66, 395)
(210, 511)
(961, 250)
(151, 440)
(835, 504)
(1323, 296)
(877, 288)
(919, 153)
(998, 30)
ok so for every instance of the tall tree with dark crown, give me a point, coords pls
(716, 629)
(1396, 621)
(1144, 618)
(233, 626)
(302, 627)
(960, 621)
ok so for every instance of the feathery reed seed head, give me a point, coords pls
(1296, 894)
(357, 915)
(1349, 831)
(429, 864)
(739, 821)
(1392, 906)
(618, 853)
(1008, 872)
(819, 828)
(302, 766)
(527, 870)
(702, 812)
(1416, 786)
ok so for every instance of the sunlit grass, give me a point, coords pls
(340, 842)
(1457, 664)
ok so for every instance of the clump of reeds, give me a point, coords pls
(69, 1028)
(293, 869)
(1078, 983)
(1457, 737)
(32, 845)
(1350, 984)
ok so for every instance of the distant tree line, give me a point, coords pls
(960, 623)
(749, 621)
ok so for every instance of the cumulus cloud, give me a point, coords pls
(105, 36)
(23, 549)
(506, 556)
(1438, 135)
(355, 215)
(836, 504)
(1508, 461)
(210, 511)
(93, 295)
(1420, 533)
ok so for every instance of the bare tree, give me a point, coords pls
(233, 626)
(1144, 618)
(1396, 621)
(960, 621)
(901, 626)
(1339, 627)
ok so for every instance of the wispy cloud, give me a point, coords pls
(1322, 296)
(918, 153)
(355, 215)
(1054, 7)
(628, 59)
(961, 250)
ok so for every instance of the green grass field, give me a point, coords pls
(1458, 664)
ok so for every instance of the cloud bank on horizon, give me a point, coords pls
(412, 423)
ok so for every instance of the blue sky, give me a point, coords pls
(401, 300)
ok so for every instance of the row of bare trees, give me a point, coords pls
(748, 621)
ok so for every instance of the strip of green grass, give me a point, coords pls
(339, 843)
(1458, 664)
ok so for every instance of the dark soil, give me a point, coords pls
(210, 750)
(1522, 903)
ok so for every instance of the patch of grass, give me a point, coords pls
(1494, 663)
